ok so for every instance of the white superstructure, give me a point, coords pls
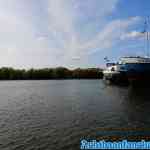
(126, 60)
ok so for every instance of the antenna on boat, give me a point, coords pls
(147, 35)
(106, 59)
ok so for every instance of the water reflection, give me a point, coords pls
(129, 109)
(139, 93)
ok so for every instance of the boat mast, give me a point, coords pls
(147, 36)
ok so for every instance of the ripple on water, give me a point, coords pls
(58, 114)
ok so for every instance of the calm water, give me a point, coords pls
(49, 115)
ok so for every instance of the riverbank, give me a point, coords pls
(50, 73)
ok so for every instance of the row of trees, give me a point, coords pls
(49, 73)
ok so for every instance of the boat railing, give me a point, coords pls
(110, 64)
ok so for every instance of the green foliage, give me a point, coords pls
(49, 73)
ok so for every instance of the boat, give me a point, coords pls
(137, 69)
(133, 69)
(113, 74)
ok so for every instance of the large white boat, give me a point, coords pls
(112, 73)
(131, 68)
(128, 69)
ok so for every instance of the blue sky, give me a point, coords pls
(70, 33)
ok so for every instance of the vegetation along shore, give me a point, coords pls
(49, 73)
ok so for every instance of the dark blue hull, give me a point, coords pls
(136, 67)
(136, 72)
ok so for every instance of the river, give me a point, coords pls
(57, 114)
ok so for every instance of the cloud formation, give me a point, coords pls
(133, 35)
(58, 32)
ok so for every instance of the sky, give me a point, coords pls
(70, 33)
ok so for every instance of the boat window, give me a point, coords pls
(112, 69)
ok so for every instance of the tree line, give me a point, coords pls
(49, 73)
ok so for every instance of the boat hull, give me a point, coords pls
(117, 78)
(130, 70)
(138, 73)
(139, 78)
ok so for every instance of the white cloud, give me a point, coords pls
(110, 35)
(49, 33)
(64, 15)
(96, 9)
(63, 20)
(132, 35)
(76, 58)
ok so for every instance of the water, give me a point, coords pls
(48, 115)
